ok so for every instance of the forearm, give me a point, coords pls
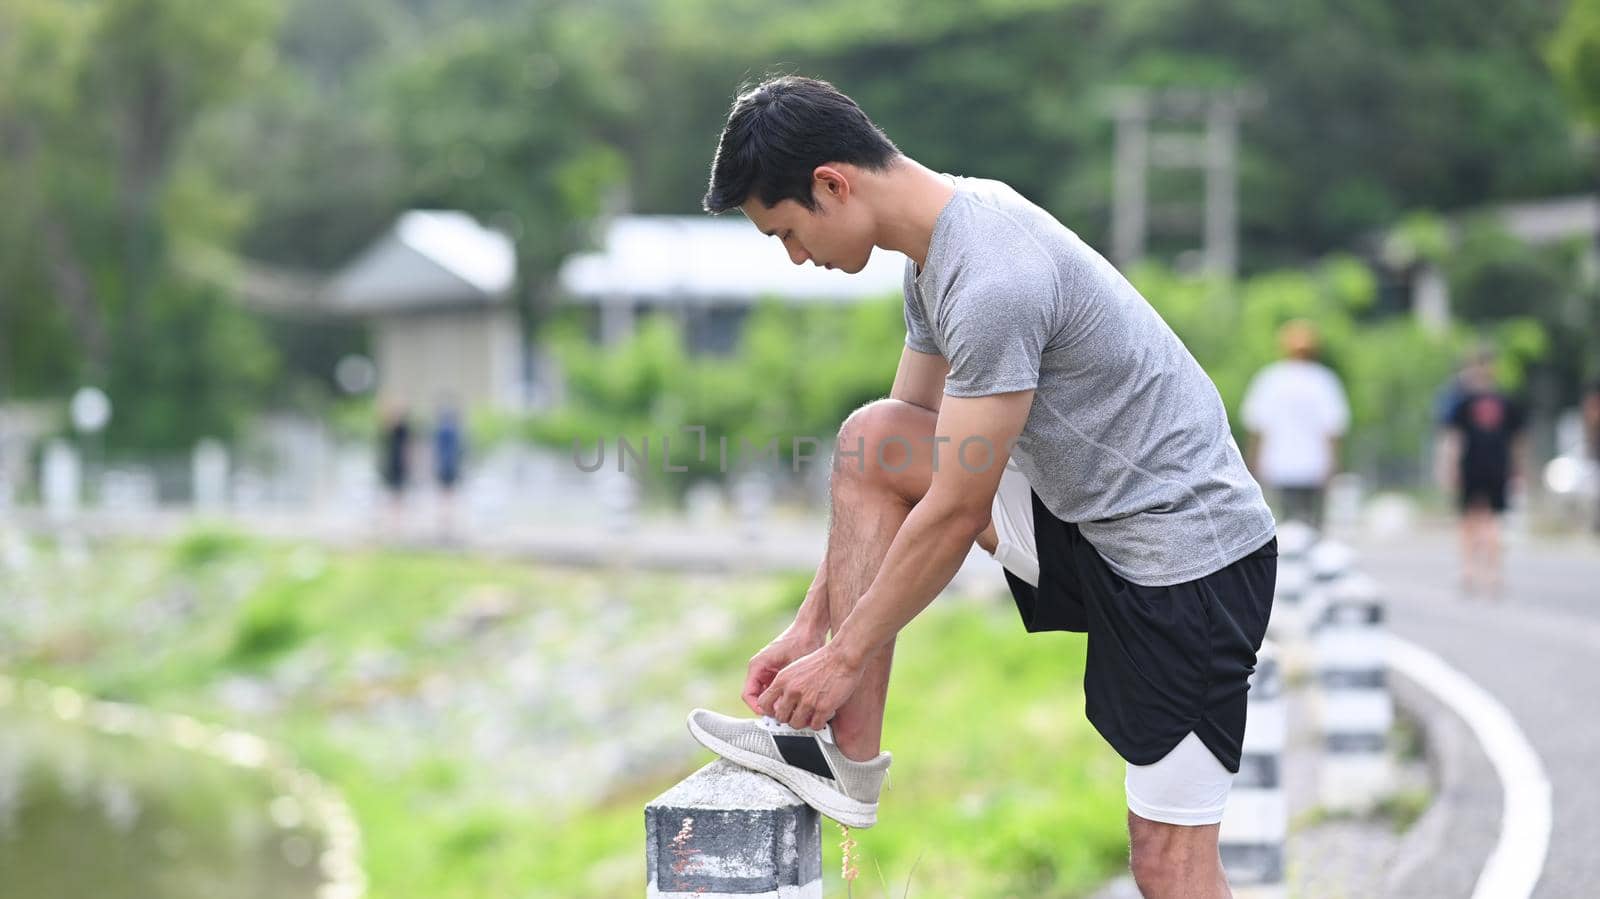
(926, 553)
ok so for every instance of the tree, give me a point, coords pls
(99, 194)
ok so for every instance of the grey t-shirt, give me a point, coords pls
(1127, 436)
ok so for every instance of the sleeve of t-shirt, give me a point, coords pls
(919, 336)
(996, 328)
(1456, 418)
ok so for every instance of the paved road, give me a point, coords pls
(1538, 652)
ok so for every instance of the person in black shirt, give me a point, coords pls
(1483, 461)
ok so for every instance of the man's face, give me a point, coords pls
(837, 234)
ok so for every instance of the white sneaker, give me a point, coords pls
(804, 760)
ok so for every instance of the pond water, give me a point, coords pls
(103, 816)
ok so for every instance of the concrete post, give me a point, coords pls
(61, 479)
(1356, 709)
(209, 475)
(1330, 562)
(1290, 625)
(727, 832)
(1256, 823)
(1295, 540)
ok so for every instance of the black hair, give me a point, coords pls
(779, 131)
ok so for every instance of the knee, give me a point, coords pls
(881, 437)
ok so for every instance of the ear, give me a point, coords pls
(827, 180)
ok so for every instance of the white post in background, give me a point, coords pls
(1345, 493)
(752, 496)
(1256, 822)
(1356, 710)
(619, 497)
(1290, 625)
(1330, 561)
(61, 478)
(725, 831)
(209, 472)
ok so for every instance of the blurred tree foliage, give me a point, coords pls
(99, 192)
(537, 115)
(136, 132)
(799, 372)
(796, 373)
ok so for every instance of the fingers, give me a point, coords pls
(756, 683)
(782, 704)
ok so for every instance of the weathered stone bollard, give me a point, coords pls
(724, 831)
(1356, 709)
(1257, 820)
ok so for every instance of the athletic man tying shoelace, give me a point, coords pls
(1042, 409)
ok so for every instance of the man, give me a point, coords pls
(1043, 410)
(1482, 457)
(1296, 412)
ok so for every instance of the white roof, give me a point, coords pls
(698, 258)
(428, 258)
(1543, 221)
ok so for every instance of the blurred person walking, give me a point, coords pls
(1482, 458)
(1296, 412)
(394, 455)
(449, 450)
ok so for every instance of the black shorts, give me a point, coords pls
(1162, 661)
(1478, 492)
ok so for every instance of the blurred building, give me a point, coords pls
(1534, 222)
(708, 272)
(434, 290)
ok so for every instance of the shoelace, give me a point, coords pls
(778, 727)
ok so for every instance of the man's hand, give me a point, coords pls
(765, 665)
(811, 689)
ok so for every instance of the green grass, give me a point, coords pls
(999, 786)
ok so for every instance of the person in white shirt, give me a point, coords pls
(1295, 411)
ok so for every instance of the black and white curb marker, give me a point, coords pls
(1329, 561)
(1290, 625)
(1295, 540)
(1356, 709)
(727, 832)
(1256, 822)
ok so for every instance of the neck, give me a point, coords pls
(910, 198)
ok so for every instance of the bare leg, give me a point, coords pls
(883, 466)
(1172, 861)
(1489, 552)
(1469, 549)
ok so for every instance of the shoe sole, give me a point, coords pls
(832, 803)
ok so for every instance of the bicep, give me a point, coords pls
(920, 379)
